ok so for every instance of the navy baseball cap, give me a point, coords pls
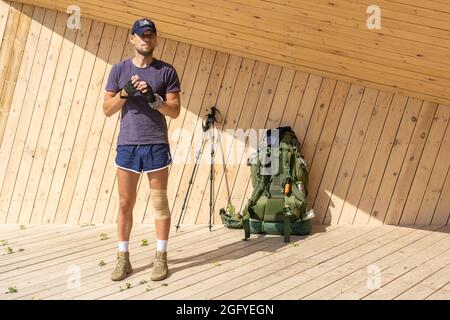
(142, 25)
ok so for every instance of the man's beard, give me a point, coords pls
(145, 52)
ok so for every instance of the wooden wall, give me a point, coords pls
(375, 157)
(408, 55)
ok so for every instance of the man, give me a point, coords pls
(145, 90)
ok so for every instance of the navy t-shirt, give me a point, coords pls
(140, 124)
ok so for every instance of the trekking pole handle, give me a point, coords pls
(210, 119)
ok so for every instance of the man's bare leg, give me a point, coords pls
(127, 183)
(158, 180)
(158, 184)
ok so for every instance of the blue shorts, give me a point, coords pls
(143, 157)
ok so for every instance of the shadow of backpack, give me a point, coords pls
(280, 180)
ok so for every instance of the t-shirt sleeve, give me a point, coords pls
(113, 80)
(173, 83)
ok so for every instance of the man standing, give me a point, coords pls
(145, 90)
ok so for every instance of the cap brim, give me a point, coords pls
(141, 31)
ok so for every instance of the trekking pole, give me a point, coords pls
(211, 175)
(209, 123)
(197, 160)
(225, 173)
(209, 120)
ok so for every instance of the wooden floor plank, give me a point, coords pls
(11, 230)
(415, 276)
(428, 286)
(56, 258)
(53, 233)
(441, 294)
(47, 241)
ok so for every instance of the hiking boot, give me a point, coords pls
(123, 266)
(160, 269)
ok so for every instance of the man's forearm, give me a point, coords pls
(113, 105)
(169, 109)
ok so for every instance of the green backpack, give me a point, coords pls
(280, 182)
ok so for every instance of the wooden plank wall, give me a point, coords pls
(409, 54)
(374, 156)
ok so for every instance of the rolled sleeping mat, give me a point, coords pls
(298, 228)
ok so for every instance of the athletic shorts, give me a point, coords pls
(143, 157)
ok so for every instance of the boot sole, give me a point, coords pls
(122, 278)
(159, 278)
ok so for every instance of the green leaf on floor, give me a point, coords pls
(87, 224)
(3, 243)
(127, 286)
(101, 263)
(103, 236)
(216, 264)
(9, 250)
(143, 282)
(11, 290)
(21, 249)
(164, 285)
(22, 227)
(144, 243)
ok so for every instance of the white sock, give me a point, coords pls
(161, 245)
(123, 246)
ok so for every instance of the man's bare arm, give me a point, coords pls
(112, 103)
(171, 107)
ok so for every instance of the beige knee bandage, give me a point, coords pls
(160, 204)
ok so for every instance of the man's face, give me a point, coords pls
(144, 44)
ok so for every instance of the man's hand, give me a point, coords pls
(134, 85)
(131, 87)
(154, 100)
(147, 91)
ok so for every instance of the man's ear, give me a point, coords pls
(131, 38)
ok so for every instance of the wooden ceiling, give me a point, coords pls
(409, 55)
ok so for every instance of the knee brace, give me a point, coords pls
(160, 204)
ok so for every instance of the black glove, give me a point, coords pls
(154, 100)
(149, 95)
(130, 89)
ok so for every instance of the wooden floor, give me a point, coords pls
(335, 262)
